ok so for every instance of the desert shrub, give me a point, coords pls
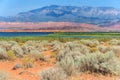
(34, 51)
(72, 58)
(30, 49)
(104, 49)
(54, 73)
(11, 55)
(99, 63)
(56, 45)
(90, 43)
(116, 50)
(3, 54)
(3, 76)
(44, 42)
(12, 43)
(17, 50)
(25, 49)
(72, 48)
(114, 42)
(67, 57)
(5, 45)
(68, 63)
(34, 47)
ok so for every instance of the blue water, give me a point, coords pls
(14, 34)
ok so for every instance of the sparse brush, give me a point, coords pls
(72, 48)
(114, 42)
(34, 47)
(54, 73)
(99, 63)
(67, 56)
(72, 60)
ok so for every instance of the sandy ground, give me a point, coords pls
(30, 73)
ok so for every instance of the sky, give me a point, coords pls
(13, 7)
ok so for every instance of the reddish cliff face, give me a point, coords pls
(54, 27)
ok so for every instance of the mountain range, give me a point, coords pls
(105, 17)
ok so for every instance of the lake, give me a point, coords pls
(62, 35)
(15, 34)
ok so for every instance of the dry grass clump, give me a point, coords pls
(54, 73)
(4, 76)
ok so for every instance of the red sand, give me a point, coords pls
(30, 73)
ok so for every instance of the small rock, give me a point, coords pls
(17, 66)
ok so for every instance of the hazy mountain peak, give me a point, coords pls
(83, 14)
